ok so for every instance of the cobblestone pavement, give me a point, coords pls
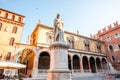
(93, 78)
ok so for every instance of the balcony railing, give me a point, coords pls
(76, 71)
(100, 70)
(86, 71)
(42, 71)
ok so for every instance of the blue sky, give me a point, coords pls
(87, 16)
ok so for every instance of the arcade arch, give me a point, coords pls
(76, 62)
(98, 64)
(69, 62)
(85, 63)
(27, 58)
(104, 63)
(44, 60)
(92, 65)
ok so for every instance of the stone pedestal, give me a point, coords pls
(58, 62)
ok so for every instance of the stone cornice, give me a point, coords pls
(11, 22)
(86, 52)
(11, 12)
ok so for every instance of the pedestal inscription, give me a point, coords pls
(59, 62)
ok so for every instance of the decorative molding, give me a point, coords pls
(12, 22)
(59, 45)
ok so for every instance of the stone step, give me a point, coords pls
(32, 79)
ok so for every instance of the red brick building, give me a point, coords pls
(111, 36)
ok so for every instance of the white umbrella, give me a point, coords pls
(11, 65)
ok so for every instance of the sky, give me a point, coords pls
(87, 16)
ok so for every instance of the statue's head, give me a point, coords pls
(58, 15)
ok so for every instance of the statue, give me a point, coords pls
(58, 29)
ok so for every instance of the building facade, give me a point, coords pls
(111, 36)
(85, 55)
(11, 26)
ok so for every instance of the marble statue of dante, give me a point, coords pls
(58, 29)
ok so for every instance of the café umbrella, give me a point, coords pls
(11, 65)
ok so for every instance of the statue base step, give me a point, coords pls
(58, 74)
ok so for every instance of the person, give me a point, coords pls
(58, 29)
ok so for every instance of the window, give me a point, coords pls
(49, 39)
(110, 47)
(6, 15)
(0, 26)
(98, 46)
(87, 45)
(14, 29)
(13, 17)
(8, 56)
(34, 39)
(116, 35)
(119, 46)
(108, 38)
(70, 41)
(113, 58)
(0, 56)
(101, 39)
(11, 41)
(19, 19)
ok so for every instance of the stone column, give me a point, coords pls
(72, 65)
(58, 62)
(89, 66)
(96, 66)
(35, 67)
(101, 65)
(81, 65)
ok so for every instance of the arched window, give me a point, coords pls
(69, 62)
(119, 46)
(0, 26)
(108, 38)
(13, 17)
(6, 15)
(85, 63)
(117, 35)
(72, 44)
(34, 39)
(14, 29)
(92, 65)
(19, 19)
(12, 40)
(49, 38)
(44, 61)
(98, 64)
(110, 47)
(113, 58)
(104, 64)
(98, 46)
(8, 56)
(87, 45)
(76, 62)
(70, 41)
(0, 56)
